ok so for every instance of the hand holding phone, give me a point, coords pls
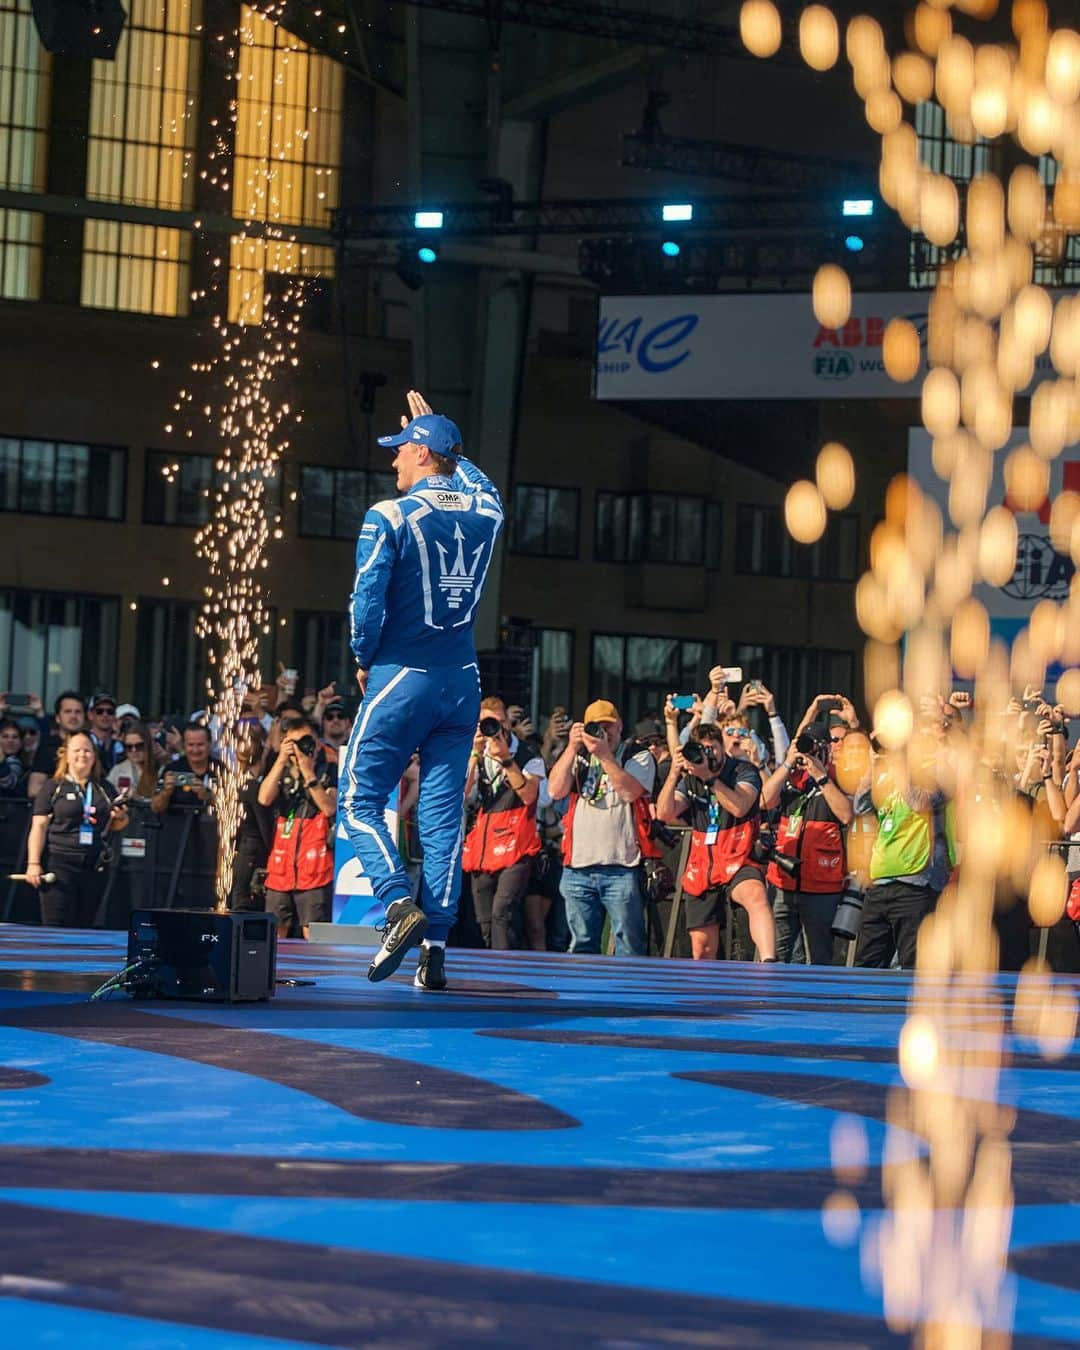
(684, 702)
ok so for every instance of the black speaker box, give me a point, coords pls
(80, 27)
(203, 955)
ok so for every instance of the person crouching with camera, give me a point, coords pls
(808, 867)
(301, 787)
(504, 781)
(720, 794)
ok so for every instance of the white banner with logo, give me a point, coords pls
(750, 346)
(1041, 572)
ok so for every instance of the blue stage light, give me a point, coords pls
(670, 249)
(677, 211)
(427, 220)
(854, 243)
(426, 254)
(859, 206)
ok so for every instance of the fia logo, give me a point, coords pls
(458, 579)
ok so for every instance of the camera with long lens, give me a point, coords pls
(596, 730)
(490, 726)
(764, 851)
(306, 745)
(808, 744)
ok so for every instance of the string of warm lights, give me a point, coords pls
(940, 1252)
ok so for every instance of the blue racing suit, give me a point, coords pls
(421, 564)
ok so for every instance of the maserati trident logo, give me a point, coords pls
(459, 579)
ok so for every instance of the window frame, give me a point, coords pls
(273, 496)
(782, 651)
(546, 552)
(641, 504)
(708, 646)
(334, 470)
(740, 570)
(116, 450)
(103, 678)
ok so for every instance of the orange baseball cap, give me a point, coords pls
(601, 710)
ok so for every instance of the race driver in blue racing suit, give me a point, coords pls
(421, 563)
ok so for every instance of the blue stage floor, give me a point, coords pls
(560, 1151)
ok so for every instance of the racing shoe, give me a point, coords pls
(431, 972)
(405, 926)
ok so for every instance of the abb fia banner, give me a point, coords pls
(750, 346)
(1041, 572)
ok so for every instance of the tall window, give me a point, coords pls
(553, 683)
(942, 153)
(288, 156)
(763, 547)
(795, 674)
(333, 501)
(321, 651)
(170, 674)
(659, 527)
(24, 99)
(179, 488)
(545, 521)
(57, 478)
(636, 673)
(50, 642)
(143, 122)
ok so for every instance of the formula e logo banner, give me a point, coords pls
(752, 346)
(1041, 572)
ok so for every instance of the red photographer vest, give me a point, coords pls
(505, 830)
(720, 843)
(809, 831)
(300, 858)
(639, 809)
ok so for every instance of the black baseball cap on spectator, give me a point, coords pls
(336, 709)
(648, 729)
(96, 700)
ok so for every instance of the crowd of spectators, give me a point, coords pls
(581, 835)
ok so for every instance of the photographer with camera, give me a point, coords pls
(808, 865)
(504, 781)
(719, 792)
(606, 831)
(187, 783)
(301, 787)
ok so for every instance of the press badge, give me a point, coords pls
(86, 835)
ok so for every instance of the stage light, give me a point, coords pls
(854, 243)
(427, 220)
(426, 254)
(858, 206)
(670, 249)
(672, 211)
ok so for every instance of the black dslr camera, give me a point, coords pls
(818, 747)
(764, 851)
(699, 752)
(306, 745)
(490, 726)
(595, 730)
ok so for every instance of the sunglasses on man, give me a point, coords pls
(736, 731)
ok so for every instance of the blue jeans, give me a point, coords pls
(589, 892)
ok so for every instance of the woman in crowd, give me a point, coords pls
(255, 832)
(136, 773)
(73, 813)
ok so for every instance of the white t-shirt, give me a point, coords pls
(604, 832)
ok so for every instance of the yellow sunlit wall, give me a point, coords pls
(143, 124)
(288, 156)
(24, 99)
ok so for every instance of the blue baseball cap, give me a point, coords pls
(434, 430)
